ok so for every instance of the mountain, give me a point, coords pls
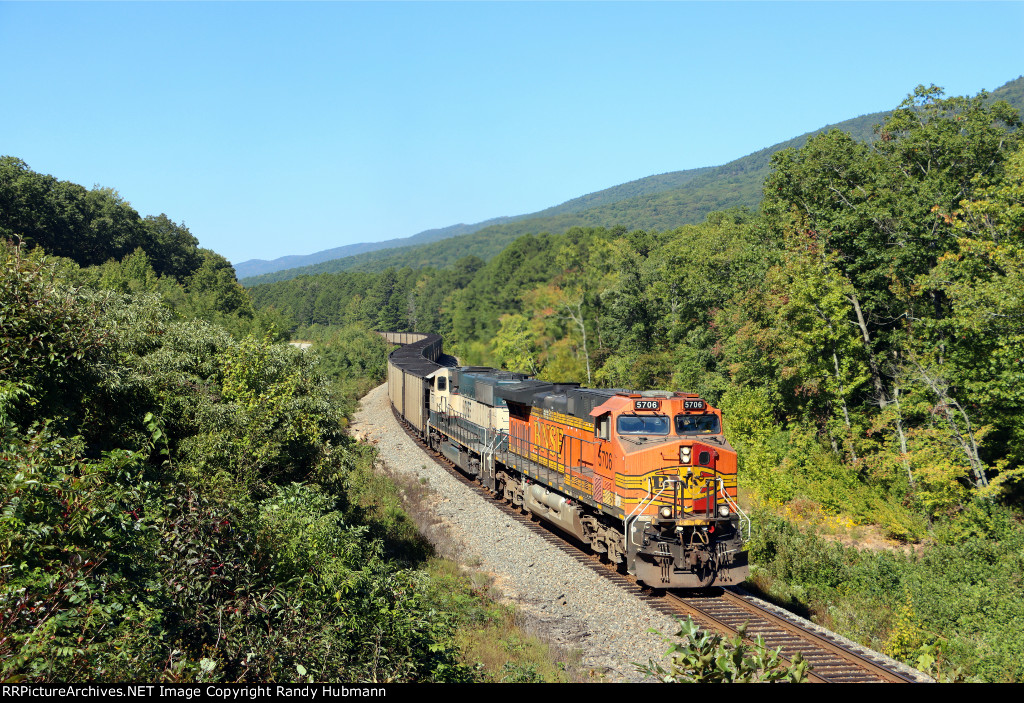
(657, 202)
(650, 184)
(255, 267)
(663, 201)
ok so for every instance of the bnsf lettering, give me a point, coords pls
(548, 437)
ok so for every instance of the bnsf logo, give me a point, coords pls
(548, 436)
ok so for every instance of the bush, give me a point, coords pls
(157, 520)
(707, 657)
(962, 592)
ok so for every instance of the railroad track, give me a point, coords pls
(721, 610)
(832, 660)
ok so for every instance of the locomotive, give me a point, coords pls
(646, 479)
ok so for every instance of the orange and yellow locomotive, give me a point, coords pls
(646, 478)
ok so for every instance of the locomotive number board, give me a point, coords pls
(693, 405)
(646, 404)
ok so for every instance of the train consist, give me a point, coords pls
(645, 478)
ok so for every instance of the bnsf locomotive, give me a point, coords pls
(645, 478)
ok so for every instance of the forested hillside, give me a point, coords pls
(179, 501)
(308, 264)
(665, 201)
(863, 333)
(256, 267)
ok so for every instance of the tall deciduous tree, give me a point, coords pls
(172, 248)
(882, 212)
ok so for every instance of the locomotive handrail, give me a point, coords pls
(491, 449)
(641, 506)
(744, 518)
(493, 446)
(550, 459)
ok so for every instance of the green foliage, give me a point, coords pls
(87, 226)
(49, 333)
(705, 657)
(352, 358)
(376, 502)
(513, 345)
(74, 533)
(158, 518)
(983, 277)
(173, 247)
(760, 443)
(121, 252)
(961, 592)
(489, 635)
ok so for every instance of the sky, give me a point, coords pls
(277, 128)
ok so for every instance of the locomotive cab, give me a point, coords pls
(683, 529)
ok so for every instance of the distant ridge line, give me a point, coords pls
(662, 201)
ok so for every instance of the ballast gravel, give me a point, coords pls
(563, 601)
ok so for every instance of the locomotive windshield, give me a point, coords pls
(698, 424)
(642, 424)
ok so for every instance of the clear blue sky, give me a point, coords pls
(288, 128)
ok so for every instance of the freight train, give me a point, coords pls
(646, 479)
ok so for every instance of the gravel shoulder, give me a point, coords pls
(562, 601)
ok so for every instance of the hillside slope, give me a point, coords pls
(657, 202)
(642, 186)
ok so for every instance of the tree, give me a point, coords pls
(883, 214)
(514, 345)
(214, 290)
(172, 248)
(982, 278)
(820, 352)
(880, 207)
(385, 304)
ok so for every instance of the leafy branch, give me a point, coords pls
(706, 657)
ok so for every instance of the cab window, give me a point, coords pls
(698, 424)
(441, 383)
(642, 424)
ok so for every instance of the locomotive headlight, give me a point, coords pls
(723, 510)
(665, 512)
(684, 454)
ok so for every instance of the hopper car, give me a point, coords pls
(646, 479)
